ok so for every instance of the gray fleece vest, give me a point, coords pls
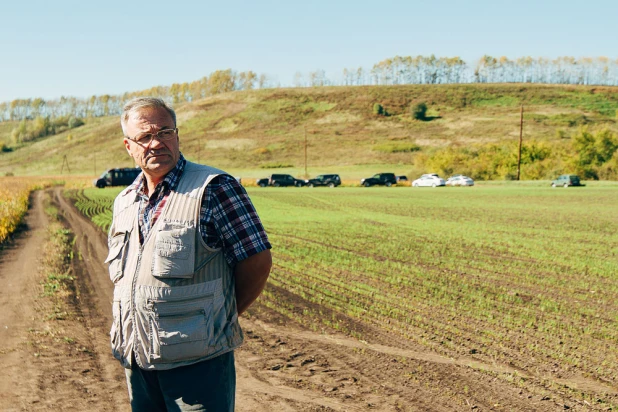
(174, 300)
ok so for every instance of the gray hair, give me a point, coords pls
(141, 103)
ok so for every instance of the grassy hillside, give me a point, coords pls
(253, 133)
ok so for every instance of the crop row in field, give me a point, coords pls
(96, 204)
(524, 276)
(520, 275)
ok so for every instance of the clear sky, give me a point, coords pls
(81, 48)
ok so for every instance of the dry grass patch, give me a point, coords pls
(336, 118)
(236, 144)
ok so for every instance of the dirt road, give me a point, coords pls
(64, 362)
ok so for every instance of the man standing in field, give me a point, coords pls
(187, 255)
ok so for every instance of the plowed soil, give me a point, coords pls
(52, 360)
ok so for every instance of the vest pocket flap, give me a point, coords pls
(116, 245)
(174, 251)
(117, 255)
(180, 330)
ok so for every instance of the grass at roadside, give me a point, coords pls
(58, 283)
(57, 289)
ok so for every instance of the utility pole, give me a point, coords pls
(65, 161)
(306, 175)
(521, 133)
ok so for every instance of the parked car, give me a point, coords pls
(324, 180)
(566, 181)
(277, 180)
(429, 180)
(401, 179)
(382, 179)
(117, 177)
(459, 180)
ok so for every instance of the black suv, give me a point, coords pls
(324, 180)
(566, 181)
(277, 180)
(384, 179)
(117, 177)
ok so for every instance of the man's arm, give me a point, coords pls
(250, 275)
(229, 220)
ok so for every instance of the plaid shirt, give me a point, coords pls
(227, 219)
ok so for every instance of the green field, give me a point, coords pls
(520, 275)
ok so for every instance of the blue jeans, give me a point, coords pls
(204, 386)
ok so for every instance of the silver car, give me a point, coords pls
(429, 180)
(460, 180)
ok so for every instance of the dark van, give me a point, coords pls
(117, 177)
(566, 181)
(278, 180)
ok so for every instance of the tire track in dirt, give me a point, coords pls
(541, 372)
(579, 382)
(463, 378)
(286, 398)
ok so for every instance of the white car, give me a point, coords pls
(428, 180)
(460, 180)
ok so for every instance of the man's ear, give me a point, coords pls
(127, 146)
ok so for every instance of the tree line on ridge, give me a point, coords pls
(393, 71)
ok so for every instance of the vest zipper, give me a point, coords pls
(181, 299)
(179, 307)
(181, 315)
(133, 310)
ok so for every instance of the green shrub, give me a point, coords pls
(569, 119)
(397, 147)
(378, 109)
(419, 111)
(31, 130)
(42, 127)
(534, 152)
(561, 134)
(74, 122)
(593, 151)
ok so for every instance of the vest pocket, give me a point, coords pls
(117, 255)
(174, 254)
(180, 330)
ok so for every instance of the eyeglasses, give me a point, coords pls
(164, 135)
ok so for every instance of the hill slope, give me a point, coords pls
(250, 131)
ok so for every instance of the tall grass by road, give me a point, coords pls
(15, 193)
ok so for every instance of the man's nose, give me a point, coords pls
(155, 142)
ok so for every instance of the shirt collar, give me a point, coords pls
(170, 181)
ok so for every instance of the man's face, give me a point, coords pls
(157, 158)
